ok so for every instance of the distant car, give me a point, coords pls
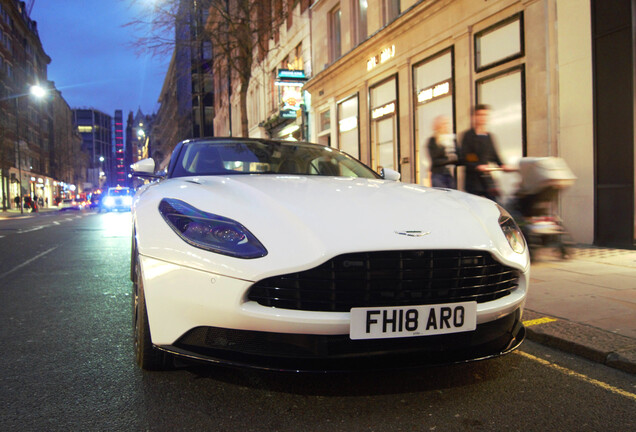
(70, 204)
(295, 256)
(95, 200)
(117, 199)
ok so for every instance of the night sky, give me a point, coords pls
(92, 61)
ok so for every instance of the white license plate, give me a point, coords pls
(407, 321)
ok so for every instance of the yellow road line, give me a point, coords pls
(537, 321)
(580, 376)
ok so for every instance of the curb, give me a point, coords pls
(610, 349)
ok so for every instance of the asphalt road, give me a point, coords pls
(67, 363)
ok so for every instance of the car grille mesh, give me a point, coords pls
(392, 278)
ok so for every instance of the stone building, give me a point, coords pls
(558, 74)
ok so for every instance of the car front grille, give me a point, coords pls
(392, 278)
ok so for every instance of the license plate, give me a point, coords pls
(408, 321)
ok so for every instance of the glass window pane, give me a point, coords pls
(383, 94)
(498, 44)
(325, 121)
(348, 126)
(434, 71)
(504, 95)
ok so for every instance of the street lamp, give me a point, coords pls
(38, 92)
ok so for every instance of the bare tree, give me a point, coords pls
(239, 32)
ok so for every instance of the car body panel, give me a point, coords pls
(306, 226)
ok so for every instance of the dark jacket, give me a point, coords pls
(478, 150)
(439, 157)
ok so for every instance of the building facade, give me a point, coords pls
(384, 69)
(193, 64)
(168, 128)
(121, 165)
(25, 121)
(69, 164)
(276, 106)
(95, 128)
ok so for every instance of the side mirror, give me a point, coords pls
(389, 174)
(145, 168)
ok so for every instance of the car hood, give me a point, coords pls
(305, 220)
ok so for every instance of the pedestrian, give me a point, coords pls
(17, 201)
(479, 153)
(442, 149)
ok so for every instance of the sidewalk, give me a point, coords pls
(13, 213)
(585, 305)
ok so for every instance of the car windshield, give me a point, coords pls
(119, 192)
(266, 157)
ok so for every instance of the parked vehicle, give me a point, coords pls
(295, 256)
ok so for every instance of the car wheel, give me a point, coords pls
(147, 356)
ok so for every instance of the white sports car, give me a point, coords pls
(295, 256)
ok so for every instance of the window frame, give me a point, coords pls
(488, 30)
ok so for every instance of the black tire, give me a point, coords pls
(146, 355)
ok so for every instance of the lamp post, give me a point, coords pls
(39, 93)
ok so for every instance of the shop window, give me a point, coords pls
(433, 85)
(348, 132)
(500, 43)
(384, 129)
(324, 127)
(504, 92)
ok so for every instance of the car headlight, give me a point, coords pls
(109, 201)
(127, 200)
(209, 231)
(512, 231)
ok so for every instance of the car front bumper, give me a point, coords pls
(206, 316)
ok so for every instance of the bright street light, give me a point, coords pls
(38, 91)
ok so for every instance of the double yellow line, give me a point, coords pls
(569, 372)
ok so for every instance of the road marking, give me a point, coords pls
(2, 276)
(32, 229)
(538, 321)
(578, 375)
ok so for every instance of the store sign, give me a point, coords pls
(437, 91)
(291, 98)
(290, 83)
(385, 55)
(383, 111)
(291, 74)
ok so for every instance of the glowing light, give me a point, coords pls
(347, 124)
(439, 90)
(386, 55)
(38, 91)
(383, 110)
